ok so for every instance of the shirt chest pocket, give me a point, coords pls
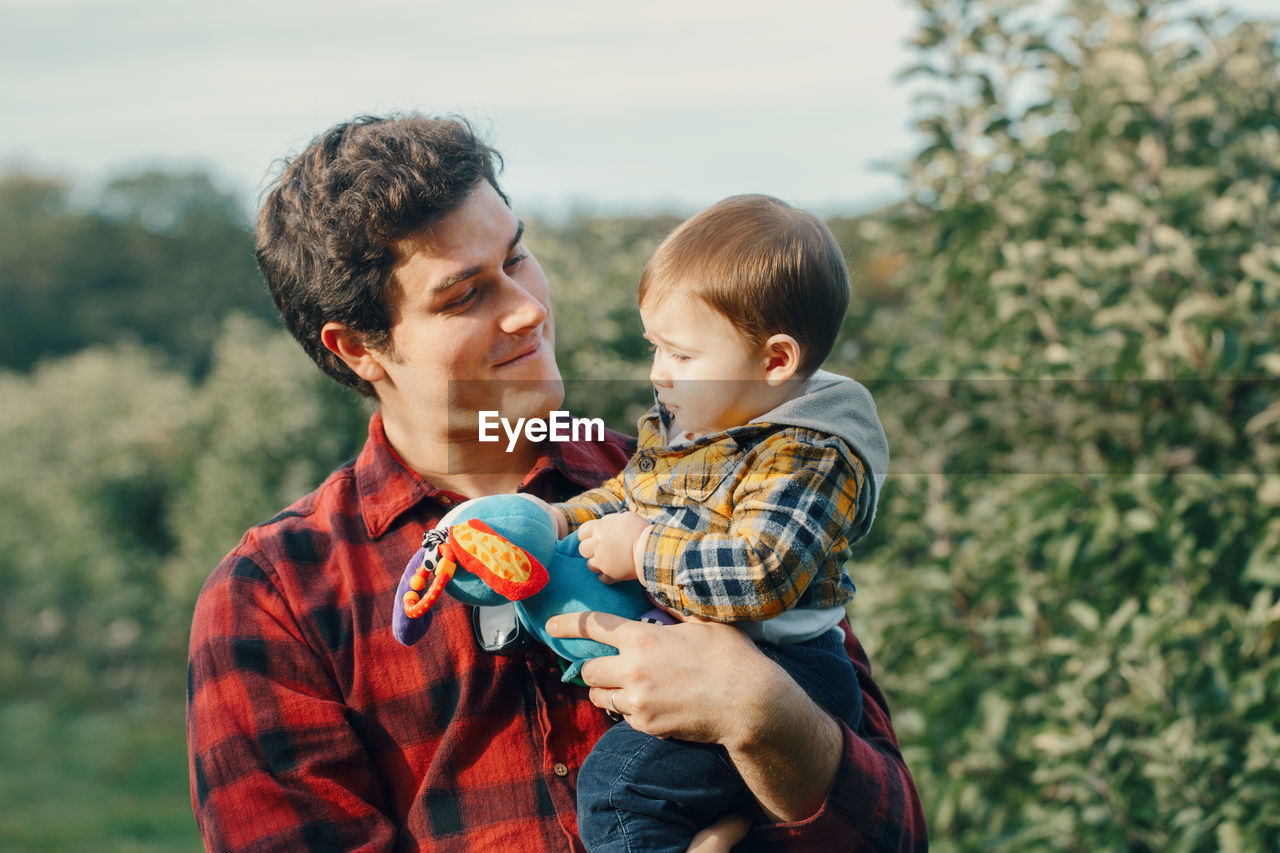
(691, 478)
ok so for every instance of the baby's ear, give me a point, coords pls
(782, 358)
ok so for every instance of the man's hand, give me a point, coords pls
(609, 544)
(706, 681)
(684, 681)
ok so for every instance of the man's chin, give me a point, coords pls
(540, 375)
(529, 398)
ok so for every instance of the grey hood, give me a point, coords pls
(840, 406)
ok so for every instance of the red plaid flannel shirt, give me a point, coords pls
(310, 728)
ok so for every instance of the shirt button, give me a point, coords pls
(560, 770)
(645, 464)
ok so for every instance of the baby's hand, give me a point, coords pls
(609, 545)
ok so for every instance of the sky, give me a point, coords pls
(595, 104)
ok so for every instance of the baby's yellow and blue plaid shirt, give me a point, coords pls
(747, 523)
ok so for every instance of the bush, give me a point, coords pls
(95, 445)
(1073, 593)
(128, 484)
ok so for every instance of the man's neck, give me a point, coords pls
(458, 463)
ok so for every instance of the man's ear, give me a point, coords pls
(349, 346)
(782, 358)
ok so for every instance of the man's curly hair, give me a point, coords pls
(326, 228)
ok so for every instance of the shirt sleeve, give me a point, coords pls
(791, 508)
(274, 762)
(606, 498)
(873, 804)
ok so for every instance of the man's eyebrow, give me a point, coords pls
(449, 281)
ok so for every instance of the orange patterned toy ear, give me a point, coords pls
(414, 606)
(505, 567)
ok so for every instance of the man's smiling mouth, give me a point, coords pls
(525, 352)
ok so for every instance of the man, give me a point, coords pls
(397, 263)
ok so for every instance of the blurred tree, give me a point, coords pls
(35, 222)
(160, 259)
(126, 485)
(1076, 594)
(267, 428)
(94, 445)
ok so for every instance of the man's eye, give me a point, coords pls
(463, 300)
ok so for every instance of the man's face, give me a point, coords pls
(470, 304)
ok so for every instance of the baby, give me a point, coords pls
(754, 474)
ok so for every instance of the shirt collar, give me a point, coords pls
(584, 463)
(659, 420)
(387, 487)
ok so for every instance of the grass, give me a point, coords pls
(100, 781)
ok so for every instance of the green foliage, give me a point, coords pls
(94, 443)
(112, 782)
(126, 484)
(159, 259)
(1073, 593)
(267, 428)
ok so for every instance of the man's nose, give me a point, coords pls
(523, 310)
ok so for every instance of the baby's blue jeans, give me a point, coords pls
(639, 793)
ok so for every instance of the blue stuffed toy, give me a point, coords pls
(504, 548)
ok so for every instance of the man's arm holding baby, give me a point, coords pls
(820, 785)
(823, 785)
(786, 748)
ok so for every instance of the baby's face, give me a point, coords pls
(705, 371)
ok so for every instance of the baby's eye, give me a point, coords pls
(678, 356)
